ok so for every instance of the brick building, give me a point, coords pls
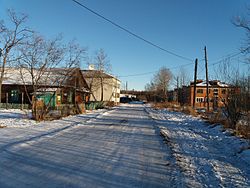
(218, 94)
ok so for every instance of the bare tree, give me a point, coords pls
(47, 63)
(243, 22)
(150, 87)
(39, 56)
(244, 79)
(162, 80)
(91, 83)
(10, 39)
(227, 71)
(160, 83)
(184, 77)
(238, 96)
(102, 64)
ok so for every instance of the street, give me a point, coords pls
(122, 148)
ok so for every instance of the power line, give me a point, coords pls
(132, 33)
(227, 57)
(139, 74)
(200, 66)
(146, 73)
(148, 42)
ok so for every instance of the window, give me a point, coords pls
(199, 90)
(199, 99)
(70, 97)
(14, 96)
(205, 99)
(223, 91)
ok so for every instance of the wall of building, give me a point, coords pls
(111, 89)
(217, 96)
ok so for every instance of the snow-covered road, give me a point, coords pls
(122, 148)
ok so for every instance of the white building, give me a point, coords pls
(104, 87)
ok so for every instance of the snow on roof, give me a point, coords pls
(222, 84)
(51, 77)
(203, 83)
(97, 74)
(13, 76)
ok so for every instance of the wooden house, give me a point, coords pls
(57, 86)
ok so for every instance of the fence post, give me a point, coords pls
(22, 101)
(7, 100)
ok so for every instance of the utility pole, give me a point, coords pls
(195, 78)
(207, 81)
(177, 97)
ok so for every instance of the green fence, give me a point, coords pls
(94, 105)
(14, 106)
(48, 98)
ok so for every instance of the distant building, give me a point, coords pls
(97, 80)
(145, 96)
(218, 94)
(180, 95)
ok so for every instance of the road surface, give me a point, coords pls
(121, 148)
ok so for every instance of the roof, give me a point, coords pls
(96, 74)
(212, 83)
(53, 77)
(203, 84)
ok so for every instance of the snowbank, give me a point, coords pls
(22, 118)
(204, 153)
(15, 118)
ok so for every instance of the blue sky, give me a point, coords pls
(181, 26)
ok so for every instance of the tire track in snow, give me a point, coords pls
(178, 177)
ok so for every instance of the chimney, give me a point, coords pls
(91, 67)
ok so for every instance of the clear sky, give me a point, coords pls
(180, 26)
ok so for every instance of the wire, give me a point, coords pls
(140, 74)
(171, 68)
(227, 57)
(131, 33)
(150, 43)
(146, 73)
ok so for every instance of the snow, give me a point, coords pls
(120, 147)
(203, 84)
(115, 148)
(206, 154)
(245, 155)
(221, 84)
(15, 118)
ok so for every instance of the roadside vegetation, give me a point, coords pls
(240, 128)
